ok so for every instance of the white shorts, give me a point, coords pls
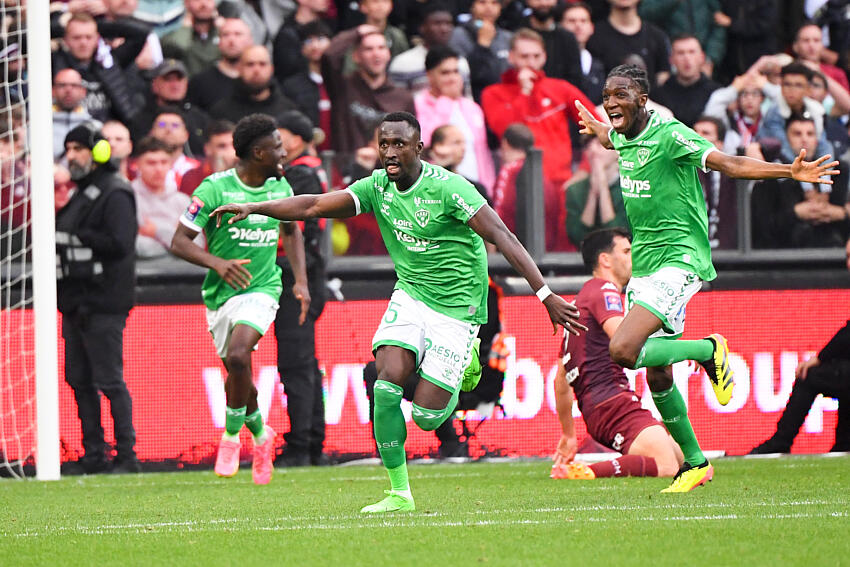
(665, 293)
(256, 310)
(442, 344)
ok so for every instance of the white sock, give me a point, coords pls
(262, 437)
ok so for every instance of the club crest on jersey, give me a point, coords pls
(643, 155)
(422, 217)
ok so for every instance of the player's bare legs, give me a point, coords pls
(239, 386)
(393, 364)
(431, 396)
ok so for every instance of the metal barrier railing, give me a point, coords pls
(530, 231)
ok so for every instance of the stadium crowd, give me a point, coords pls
(763, 78)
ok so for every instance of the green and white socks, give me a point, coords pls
(235, 418)
(255, 425)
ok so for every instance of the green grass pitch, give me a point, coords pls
(790, 511)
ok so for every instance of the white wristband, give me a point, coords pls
(543, 292)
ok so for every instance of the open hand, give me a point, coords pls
(812, 171)
(590, 125)
(566, 450)
(234, 273)
(238, 211)
(564, 314)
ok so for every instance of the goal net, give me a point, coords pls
(27, 256)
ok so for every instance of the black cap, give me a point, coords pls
(86, 134)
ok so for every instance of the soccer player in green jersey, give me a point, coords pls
(670, 251)
(243, 285)
(434, 224)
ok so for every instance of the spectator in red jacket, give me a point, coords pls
(528, 96)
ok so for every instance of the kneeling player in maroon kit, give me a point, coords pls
(611, 410)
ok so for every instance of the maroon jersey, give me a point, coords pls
(590, 370)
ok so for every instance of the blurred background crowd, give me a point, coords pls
(487, 79)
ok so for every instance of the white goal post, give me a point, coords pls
(29, 412)
(43, 240)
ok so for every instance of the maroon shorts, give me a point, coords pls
(617, 421)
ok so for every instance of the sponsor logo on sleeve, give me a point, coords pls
(194, 208)
(463, 204)
(682, 141)
(613, 302)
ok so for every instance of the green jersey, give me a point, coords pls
(663, 197)
(439, 260)
(254, 238)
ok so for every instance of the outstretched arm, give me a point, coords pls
(490, 227)
(336, 205)
(742, 167)
(590, 125)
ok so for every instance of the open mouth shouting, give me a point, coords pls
(393, 168)
(617, 120)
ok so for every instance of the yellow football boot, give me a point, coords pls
(689, 477)
(718, 369)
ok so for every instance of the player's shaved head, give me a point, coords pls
(403, 117)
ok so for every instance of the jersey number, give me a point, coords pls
(391, 315)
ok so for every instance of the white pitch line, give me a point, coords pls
(225, 523)
(407, 522)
